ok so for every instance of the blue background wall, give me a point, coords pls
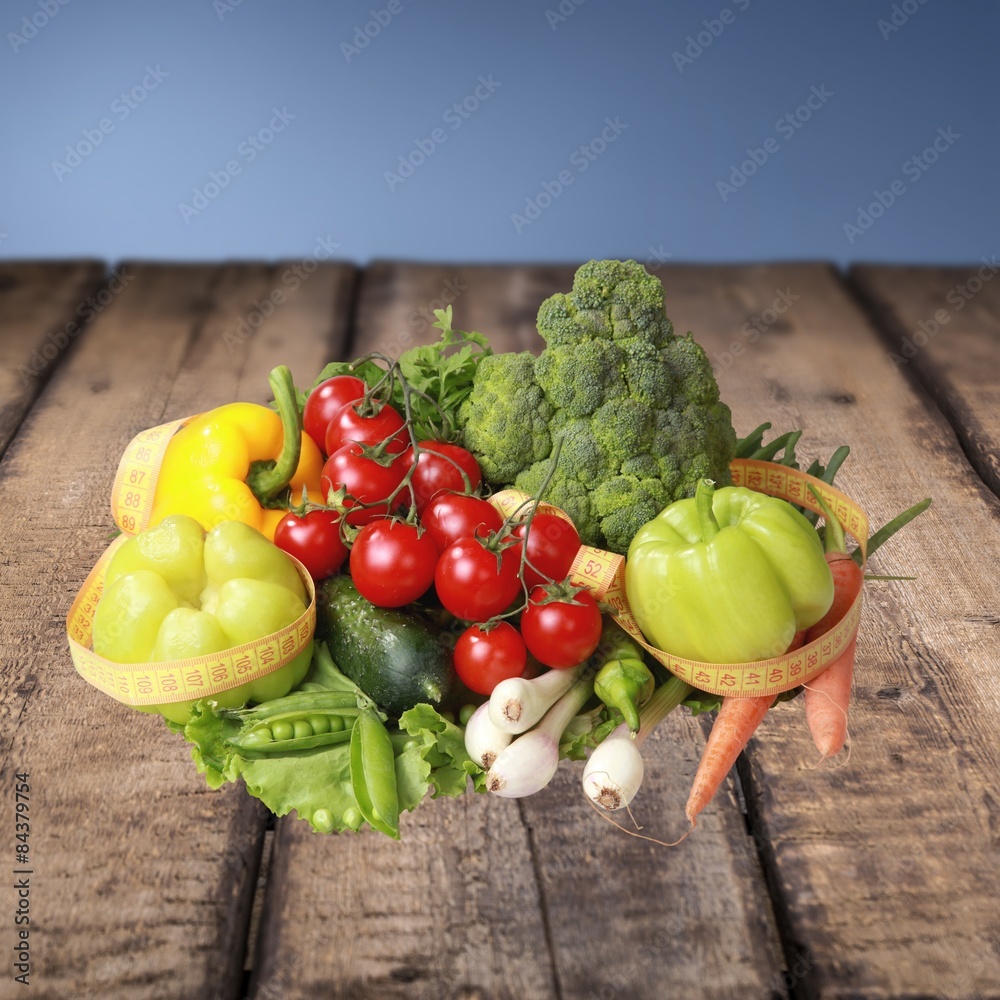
(186, 89)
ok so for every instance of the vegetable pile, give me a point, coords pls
(456, 642)
(636, 407)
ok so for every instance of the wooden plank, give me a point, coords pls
(885, 869)
(942, 325)
(43, 309)
(505, 899)
(143, 876)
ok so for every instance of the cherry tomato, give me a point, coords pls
(451, 516)
(314, 540)
(484, 659)
(438, 469)
(392, 563)
(348, 425)
(562, 633)
(366, 480)
(325, 400)
(471, 584)
(553, 543)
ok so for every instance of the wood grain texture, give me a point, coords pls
(886, 870)
(942, 325)
(143, 875)
(537, 899)
(450, 911)
(43, 312)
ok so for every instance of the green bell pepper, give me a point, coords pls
(172, 593)
(727, 576)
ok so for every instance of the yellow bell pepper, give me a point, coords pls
(233, 462)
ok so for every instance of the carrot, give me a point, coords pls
(736, 722)
(828, 695)
(847, 580)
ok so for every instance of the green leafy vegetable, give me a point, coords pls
(586, 731)
(428, 755)
(443, 372)
(440, 377)
(442, 745)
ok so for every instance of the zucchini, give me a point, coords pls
(396, 657)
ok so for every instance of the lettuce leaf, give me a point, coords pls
(430, 755)
(442, 746)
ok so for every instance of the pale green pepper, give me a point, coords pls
(728, 576)
(172, 593)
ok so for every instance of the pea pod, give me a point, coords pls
(314, 718)
(254, 745)
(373, 773)
(301, 703)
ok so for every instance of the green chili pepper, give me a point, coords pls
(373, 773)
(617, 644)
(625, 684)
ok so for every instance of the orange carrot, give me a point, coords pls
(828, 695)
(736, 722)
(848, 578)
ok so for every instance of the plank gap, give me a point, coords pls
(257, 903)
(543, 905)
(798, 981)
(890, 329)
(77, 281)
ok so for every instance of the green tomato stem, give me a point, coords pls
(706, 516)
(268, 479)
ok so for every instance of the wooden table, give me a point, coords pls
(878, 879)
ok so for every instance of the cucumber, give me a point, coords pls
(396, 657)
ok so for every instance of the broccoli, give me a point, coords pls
(636, 406)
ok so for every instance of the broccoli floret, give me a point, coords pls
(506, 417)
(637, 408)
(580, 380)
(624, 504)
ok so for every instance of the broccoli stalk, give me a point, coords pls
(636, 406)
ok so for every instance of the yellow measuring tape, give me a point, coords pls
(180, 680)
(603, 573)
(134, 488)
